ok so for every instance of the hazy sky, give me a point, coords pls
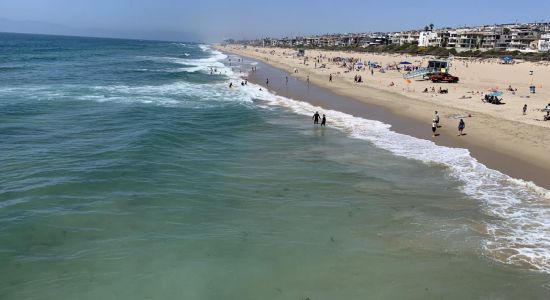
(213, 20)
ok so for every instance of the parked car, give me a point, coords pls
(443, 77)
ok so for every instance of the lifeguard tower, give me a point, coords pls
(434, 66)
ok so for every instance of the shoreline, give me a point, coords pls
(484, 142)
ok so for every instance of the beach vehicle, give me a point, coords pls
(443, 77)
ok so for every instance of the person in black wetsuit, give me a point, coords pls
(316, 117)
(324, 120)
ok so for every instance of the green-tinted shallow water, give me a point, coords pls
(124, 188)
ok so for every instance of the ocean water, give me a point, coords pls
(131, 172)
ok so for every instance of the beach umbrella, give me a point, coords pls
(405, 63)
(506, 58)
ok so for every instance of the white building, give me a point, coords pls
(427, 38)
(544, 43)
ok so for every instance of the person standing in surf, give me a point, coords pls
(324, 121)
(434, 128)
(316, 117)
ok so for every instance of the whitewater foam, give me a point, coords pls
(518, 230)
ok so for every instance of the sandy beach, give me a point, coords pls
(500, 136)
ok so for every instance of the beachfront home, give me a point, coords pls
(328, 41)
(527, 37)
(374, 39)
(523, 38)
(312, 41)
(394, 38)
(428, 38)
(409, 37)
(544, 43)
(451, 39)
(468, 39)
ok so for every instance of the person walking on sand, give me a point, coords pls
(461, 126)
(308, 80)
(316, 117)
(436, 118)
(434, 128)
(330, 78)
(525, 109)
(324, 120)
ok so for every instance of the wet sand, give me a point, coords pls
(401, 122)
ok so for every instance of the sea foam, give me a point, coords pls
(518, 222)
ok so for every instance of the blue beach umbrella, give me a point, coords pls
(405, 63)
(506, 58)
(496, 94)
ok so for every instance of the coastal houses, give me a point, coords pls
(529, 37)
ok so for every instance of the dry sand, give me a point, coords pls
(491, 128)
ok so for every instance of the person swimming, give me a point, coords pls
(316, 117)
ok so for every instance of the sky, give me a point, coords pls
(215, 20)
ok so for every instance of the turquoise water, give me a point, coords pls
(130, 172)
